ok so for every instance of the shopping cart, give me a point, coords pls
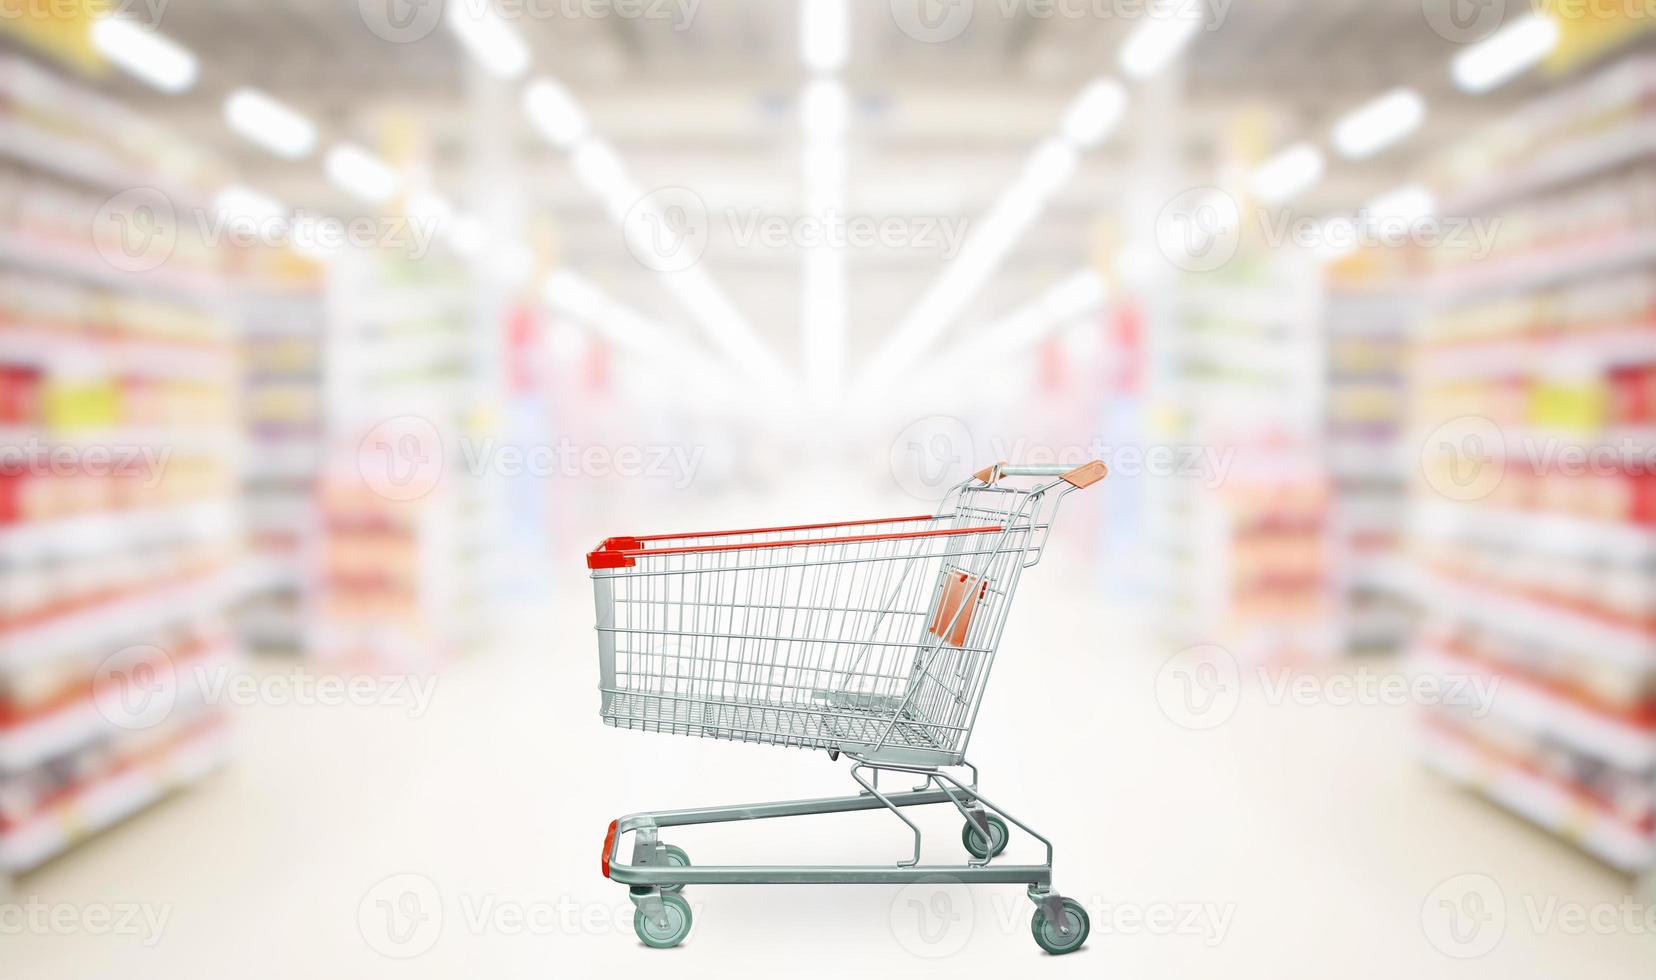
(872, 639)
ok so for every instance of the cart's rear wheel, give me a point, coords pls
(676, 858)
(666, 928)
(1075, 928)
(973, 840)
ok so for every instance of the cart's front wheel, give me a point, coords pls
(973, 840)
(676, 858)
(668, 927)
(1064, 937)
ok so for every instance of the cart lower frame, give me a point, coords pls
(658, 871)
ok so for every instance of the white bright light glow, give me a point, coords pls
(824, 109)
(824, 34)
(1291, 172)
(555, 113)
(313, 237)
(430, 208)
(1406, 203)
(361, 174)
(1505, 54)
(265, 122)
(1049, 167)
(244, 202)
(488, 39)
(1336, 239)
(146, 54)
(1158, 40)
(1075, 295)
(515, 263)
(1094, 112)
(1375, 125)
(466, 234)
(598, 168)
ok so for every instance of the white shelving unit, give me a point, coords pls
(1366, 331)
(400, 351)
(1238, 365)
(1544, 582)
(93, 561)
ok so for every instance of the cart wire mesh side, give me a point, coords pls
(870, 637)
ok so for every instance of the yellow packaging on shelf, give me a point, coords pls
(1574, 406)
(73, 405)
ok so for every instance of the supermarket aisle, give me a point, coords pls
(1291, 834)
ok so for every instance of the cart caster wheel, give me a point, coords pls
(974, 841)
(1048, 936)
(676, 858)
(668, 928)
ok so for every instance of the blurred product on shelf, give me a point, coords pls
(1530, 527)
(1244, 562)
(1367, 313)
(385, 581)
(283, 319)
(120, 540)
(413, 521)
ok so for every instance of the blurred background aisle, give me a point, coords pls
(334, 333)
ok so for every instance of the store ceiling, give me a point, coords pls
(937, 129)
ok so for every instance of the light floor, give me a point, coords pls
(1293, 841)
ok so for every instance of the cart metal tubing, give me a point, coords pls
(951, 790)
(785, 808)
(1007, 874)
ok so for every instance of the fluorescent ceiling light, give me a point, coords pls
(824, 34)
(824, 108)
(598, 168)
(1375, 125)
(361, 174)
(1289, 173)
(1409, 202)
(1505, 54)
(555, 113)
(244, 202)
(145, 53)
(431, 207)
(1094, 112)
(1157, 41)
(262, 120)
(1049, 167)
(495, 45)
